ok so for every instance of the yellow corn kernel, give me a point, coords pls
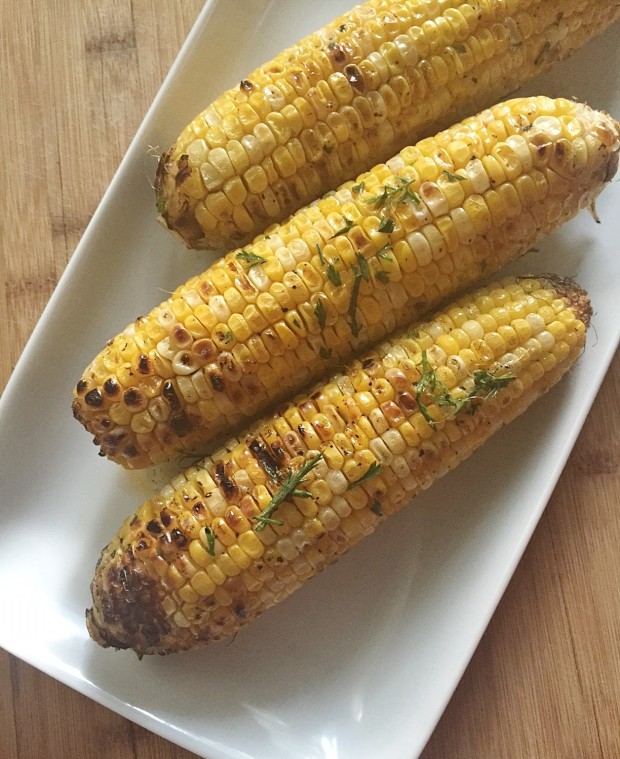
(222, 532)
(251, 545)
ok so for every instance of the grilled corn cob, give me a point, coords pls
(345, 272)
(374, 80)
(239, 532)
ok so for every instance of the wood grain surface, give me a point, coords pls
(545, 680)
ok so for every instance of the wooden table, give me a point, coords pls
(545, 680)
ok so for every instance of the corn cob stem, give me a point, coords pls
(341, 274)
(239, 532)
(379, 77)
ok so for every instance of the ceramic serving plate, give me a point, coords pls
(360, 662)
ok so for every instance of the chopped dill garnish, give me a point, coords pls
(383, 276)
(321, 256)
(393, 194)
(210, 547)
(429, 386)
(386, 225)
(487, 385)
(382, 253)
(333, 275)
(453, 177)
(357, 278)
(363, 264)
(319, 312)
(348, 226)
(228, 337)
(251, 259)
(358, 188)
(373, 470)
(290, 487)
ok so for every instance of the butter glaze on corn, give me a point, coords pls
(372, 81)
(240, 337)
(192, 566)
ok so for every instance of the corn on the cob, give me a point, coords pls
(341, 274)
(239, 532)
(374, 80)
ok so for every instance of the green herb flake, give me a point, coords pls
(363, 264)
(333, 275)
(290, 487)
(228, 337)
(296, 322)
(325, 353)
(453, 177)
(352, 310)
(383, 253)
(348, 226)
(210, 547)
(358, 188)
(373, 470)
(321, 256)
(386, 225)
(251, 259)
(487, 385)
(393, 194)
(429, 385)
(319, 312)
(383, 276)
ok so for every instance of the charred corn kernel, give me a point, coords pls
(360, 89)
(336, 499)
(222, 532)
(265, 333)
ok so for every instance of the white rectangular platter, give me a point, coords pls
(361, 662)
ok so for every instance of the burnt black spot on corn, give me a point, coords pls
(481, 361)
(93, 398)
(370, 82)
(265, 458)
(445, 233)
